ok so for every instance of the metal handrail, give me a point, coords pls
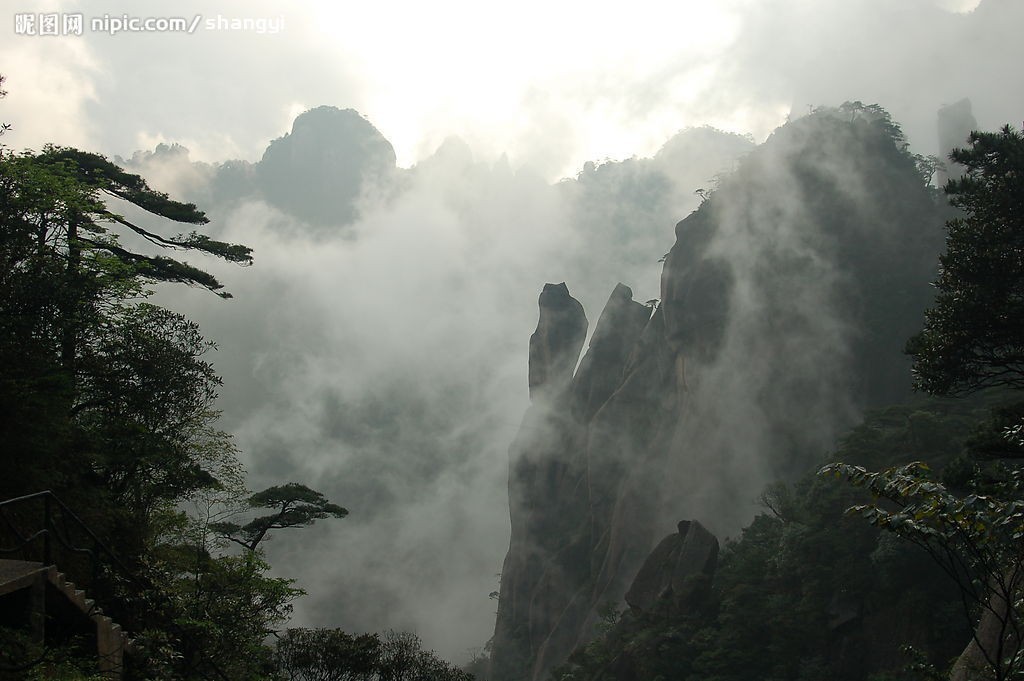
(49, 530)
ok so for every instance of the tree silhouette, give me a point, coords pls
(294, 505)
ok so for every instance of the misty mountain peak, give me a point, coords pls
(319, 170)
(692, 143)
(455, 150)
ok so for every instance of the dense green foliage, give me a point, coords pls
(972, 340)
(108, 401)
(333, 655)
(806, 592)
(974, 335)
(977, 540)
(101, 391)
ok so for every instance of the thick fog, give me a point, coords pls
(377, 350)
(383, 361)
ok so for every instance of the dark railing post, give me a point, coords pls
(104, 562)
(95, 558)
(47, 529)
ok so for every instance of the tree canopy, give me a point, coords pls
(973, 339)
(294, 505)
(109, 401)
(101, 390)
(334, 655)
(79, 219)
(973, 336)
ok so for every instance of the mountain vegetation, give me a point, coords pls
(971, 342)
(108, 404)
(808, 590)
(773, 352)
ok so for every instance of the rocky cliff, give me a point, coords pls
(786, 301)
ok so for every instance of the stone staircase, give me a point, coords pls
(42, 587)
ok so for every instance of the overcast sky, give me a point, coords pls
(551, 84)
(433, 302)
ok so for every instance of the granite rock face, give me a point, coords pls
(562, 480)
(955, 123)
(581, 491)
(785, 304)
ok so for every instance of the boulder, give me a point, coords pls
(677, 573)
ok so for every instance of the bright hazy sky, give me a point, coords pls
(551, 84)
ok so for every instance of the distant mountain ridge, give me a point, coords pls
(316, 173)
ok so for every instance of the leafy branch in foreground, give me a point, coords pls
(977, 540)
(96, 176)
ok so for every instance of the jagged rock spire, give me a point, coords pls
(555, 345)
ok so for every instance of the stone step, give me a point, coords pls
(112, 641)
(109, 634)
